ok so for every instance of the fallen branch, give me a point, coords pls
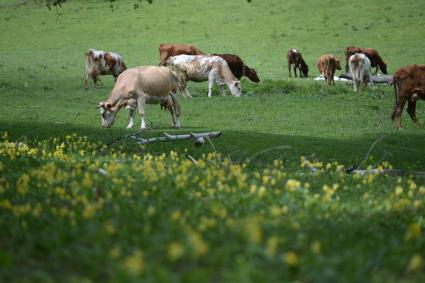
(355, 167)
(198, 138)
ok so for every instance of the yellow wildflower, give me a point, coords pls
(316, 247)
(271, 246)
(414, 231)
(291, 259)
(292, 185)
(134, 263)
(175, 251)
(415, 263)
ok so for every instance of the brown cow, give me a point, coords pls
(168, 50)
(373, 55)
(238, 67)
(294, 57)
(409, 85)
(102, 63)
(327, 64)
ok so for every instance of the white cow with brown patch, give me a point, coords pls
(102, 63)
(136, 87)
(200, 68)
(360, 70)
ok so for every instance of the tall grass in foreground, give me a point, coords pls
(73, 210)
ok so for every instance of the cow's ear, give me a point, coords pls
(237, 84)
(101, 105)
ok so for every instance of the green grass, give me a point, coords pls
(234, 223)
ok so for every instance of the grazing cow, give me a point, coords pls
(327, 64)
(213, 69)
(373, 55)
(102, 63)
(409, 85)
(360, 69)
(238, 67)
(294, 57)
(142, 85)
(168, 50)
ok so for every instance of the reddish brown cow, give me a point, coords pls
(373, 55)
(238, 67)
(294, 57)
(168, 50)
(327, 64)
(409, 85)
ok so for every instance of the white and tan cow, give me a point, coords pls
(136, 87)
(360, 69)
(200, 68)
(102, 63)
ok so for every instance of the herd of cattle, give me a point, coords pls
(180, 63)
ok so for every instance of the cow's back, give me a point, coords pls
(149, 80)
(411, 76)
(168, 50)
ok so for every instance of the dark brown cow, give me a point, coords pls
(294, 57)
(409, 85)
(168, 50)
(102, 63)
(373, 55)
(327, 64)
(238, 67)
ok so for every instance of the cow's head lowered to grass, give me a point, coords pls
(235, 88)
(107, 114)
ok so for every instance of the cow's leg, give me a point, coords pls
(141, 103)
(411, 109)
(86, 79)
(175, 111)
(355, 84)
(289, 69)
(295, 70)
(184, 90)
(369, 79)
(211, 79)
(176, 108)
(132, 112)
(399, 110)
(96, 79)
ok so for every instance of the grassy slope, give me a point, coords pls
(41, 96)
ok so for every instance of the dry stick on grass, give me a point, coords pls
(394, 172)
(355, 167)
(198, 138)
(192, 159)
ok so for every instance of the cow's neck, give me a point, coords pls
(117, 103)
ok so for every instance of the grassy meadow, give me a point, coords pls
(269, 201)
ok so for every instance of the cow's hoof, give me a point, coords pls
(130, 126)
